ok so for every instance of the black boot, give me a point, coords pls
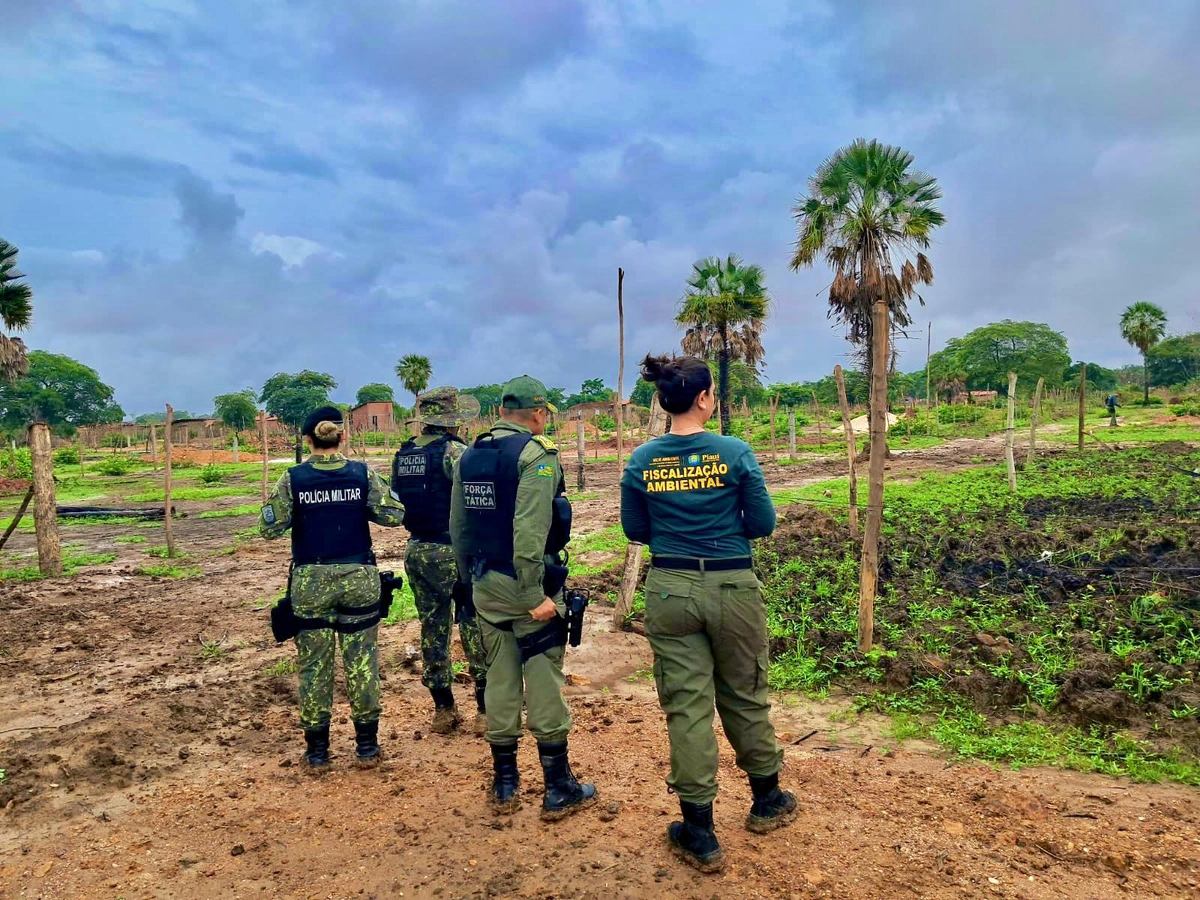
(316, 754)
(693, 840)
(445, 713)
(507, 781)
(366, 745)
(772, 807)
(564, 794)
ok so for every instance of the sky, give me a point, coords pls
(207, 193)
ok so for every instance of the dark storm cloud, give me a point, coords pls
(463, 179)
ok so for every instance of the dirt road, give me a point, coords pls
(139, 764)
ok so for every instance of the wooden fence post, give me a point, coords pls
(1033, 421)
(620, 416)
(170, 533)
(580, 449)
(792, 434)
(774, 405)
(869, 570)
(262, 430)
(1082, 401)
(153, 447)
(45, 510)
(851, 449)
(1008, 432)
(82, 471)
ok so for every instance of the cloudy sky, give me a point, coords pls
(205, 193)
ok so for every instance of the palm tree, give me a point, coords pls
(867, 212)
(414, 372)
(1143, 325)
(16, 312)
(723, 311)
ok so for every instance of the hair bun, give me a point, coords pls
(327, 431)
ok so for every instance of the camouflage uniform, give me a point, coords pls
(432, 572)
(316, 592)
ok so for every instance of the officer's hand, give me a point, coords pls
(545, 611)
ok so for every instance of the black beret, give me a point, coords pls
(323, 414)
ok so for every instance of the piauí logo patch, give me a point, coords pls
(693, 459)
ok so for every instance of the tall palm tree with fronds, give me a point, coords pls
(414, 372)
(16, 312)
(723, 311)
(869, 214)
(1143, 325)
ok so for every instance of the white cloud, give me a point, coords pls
(294, 251)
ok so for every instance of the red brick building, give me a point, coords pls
(378, 415)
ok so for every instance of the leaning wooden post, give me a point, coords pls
(167, 482)
(792, 434)
(262, 430)
(869, 571)
(1008, 432)
(16, 519)
(1082, 401)
(580, 482)
(45, 511)
(620, 416)
(851, 449)
(1033, 421)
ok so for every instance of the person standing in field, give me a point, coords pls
(327, 502)
(698, 499)
(422, 476)
(509, 520)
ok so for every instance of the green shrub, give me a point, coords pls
(17, 464)
(605, 422)
(66, 456)
(115, 465)
(211, 474)
(1187, 406)
(113, 440)
(959, 413)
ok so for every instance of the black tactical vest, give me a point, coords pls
(490, 476)
(419, 482)
(329, 515)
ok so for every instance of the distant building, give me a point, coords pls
(378, 415)
(975, 397)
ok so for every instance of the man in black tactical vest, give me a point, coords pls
(334, 588)
(422, 476)
(509, 520)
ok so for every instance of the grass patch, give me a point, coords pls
(162, 570)
(404, 606)
(576, 498)
(282, 668)
(72, 563)
(247, 509)
(161, 553)
(607, 540)
(129, 539)
(192, 493)
(211, 650)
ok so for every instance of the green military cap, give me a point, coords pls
(525, 393)
(445, 406)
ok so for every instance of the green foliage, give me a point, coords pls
(129, 539)
(1143, 325)
(114, 465)
(159, 418)
(986, 356)
(374, 393)
(1188, 406)
(212, 650)
(293, 397)
(1175, 360)
(643, 394)
(282, 668)
(248, 509)
(591, 391)
(197, 493)
(166, 570)
(66, 456)
(16, 312)
(488, 395)
(238, 411)
(605, 422)
(1098, 377)
(17, 464)
(72, 561)
(404, 605)
(414, 372)
(57, 390)
(211, 474)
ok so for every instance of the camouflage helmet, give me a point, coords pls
(446, 407)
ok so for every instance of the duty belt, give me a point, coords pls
(702, 565)
(434, 538)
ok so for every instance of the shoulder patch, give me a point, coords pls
(268, 514)
(545, 470)
(546, 443)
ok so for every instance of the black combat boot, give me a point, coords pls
(316, 754)
(480, 725)
(366, 745)
(772, 807)
(445, 713)
(693, 840)
(564, 794)
(507, 781)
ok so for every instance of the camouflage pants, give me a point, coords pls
(317, 591)
(431, 573)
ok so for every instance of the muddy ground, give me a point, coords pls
(137, 766)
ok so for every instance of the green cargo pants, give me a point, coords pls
(708, 631)
(317, 591)
(432, 573)
(537, 684)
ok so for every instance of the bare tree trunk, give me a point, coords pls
(792, 434)
(1082, 401)
(262, 429)
(869, 573)
(45, 510)
(774, 403)
(1033, 421)
(16, 519)
(620, 416)
(1008, 433)
(580, 449)
(236, 457)
(167, 482)
(851, 449)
